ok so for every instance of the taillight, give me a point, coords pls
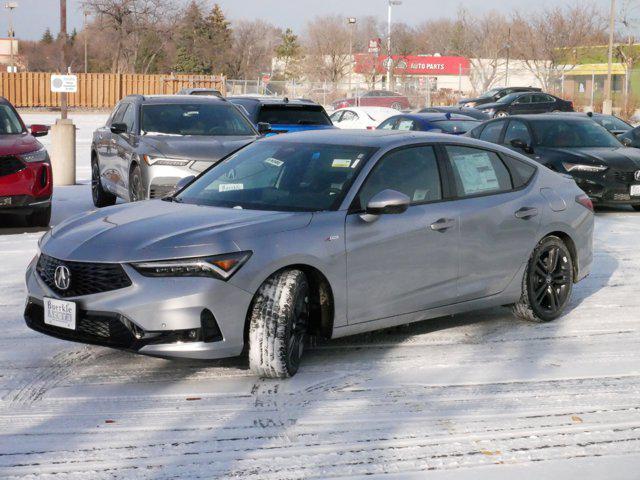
(585, 201)
(370, 127)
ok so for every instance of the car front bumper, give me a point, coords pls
(27, 189)
(611, 188)
(151, 316)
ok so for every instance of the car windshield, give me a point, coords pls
(612, 123)
(508, 98)
(280, 176)
(455, 126)
(293, 115)
(572, 134)
(9, 122)
(194, 119)
(490, 93)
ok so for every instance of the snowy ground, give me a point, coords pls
(472, 396)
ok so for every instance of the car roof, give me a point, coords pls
(275, 100)
(368, 109)
(551, 116)
(164, 99)
(436, 116)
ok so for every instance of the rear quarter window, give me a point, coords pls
(521, 172)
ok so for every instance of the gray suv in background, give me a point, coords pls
(151, 142)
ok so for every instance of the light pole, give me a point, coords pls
(84, 28)
(389, 59)
(351, 23)
(12, 34)
(607, 105)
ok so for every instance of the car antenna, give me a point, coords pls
(285, 99)
(448, 115)
(589, 114)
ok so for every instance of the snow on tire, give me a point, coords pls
(278, 323)
(547, 282)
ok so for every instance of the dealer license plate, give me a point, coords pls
(5, 201)
(59, 313)
(635, 190)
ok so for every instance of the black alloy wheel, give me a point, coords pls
(550, 280)
(299, 327)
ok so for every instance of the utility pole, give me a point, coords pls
(12, 34)
(607, 105)
(389, 59)
(351, 23)
(63, 36)
(84, 31)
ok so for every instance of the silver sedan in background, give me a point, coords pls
(326, 233)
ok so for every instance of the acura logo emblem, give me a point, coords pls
(62, 277)
(637, 175)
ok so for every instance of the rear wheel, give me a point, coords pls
(501, 114)
(40, 218)
(547, 282)
(101, 198)
(136, 189)
(396, 106)
(278, 325)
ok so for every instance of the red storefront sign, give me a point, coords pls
(411, 64)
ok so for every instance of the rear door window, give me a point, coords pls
(477, 171)
(517, 130)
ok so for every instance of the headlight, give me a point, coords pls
(219, 266)
(36, 156)
(172, 162)
(580, 167)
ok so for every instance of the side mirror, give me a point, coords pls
(388, 202)
(183, 182)
(264, 128)
(118, 128)
(627, 142)
(39, 130)
(522, 145)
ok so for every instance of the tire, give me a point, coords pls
(278, 324)
(546, 288)
(636, 207)
(396, 106)
(136, 189)
(501, 114)
(101, 198)
(40, 217)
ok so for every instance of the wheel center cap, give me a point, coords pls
(548, 280)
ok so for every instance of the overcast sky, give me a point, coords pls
(32, 17)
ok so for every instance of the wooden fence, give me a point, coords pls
(97, 90)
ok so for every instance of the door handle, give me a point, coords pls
(525, 213)
(442, 225)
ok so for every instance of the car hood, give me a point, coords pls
(18, 144)
(487, 106)
(623, 158)
(160, 230)
(196, 147)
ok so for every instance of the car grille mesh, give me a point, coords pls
(10, 165)
(160, 191)
(624, 177)
(86, 278)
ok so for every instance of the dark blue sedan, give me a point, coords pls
(430, 122)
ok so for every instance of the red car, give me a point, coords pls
(375, 98)
(25, 170)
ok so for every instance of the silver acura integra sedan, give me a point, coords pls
(316, 233)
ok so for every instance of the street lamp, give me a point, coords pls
(389, 60)
(351, 23)
(607, 106)
(11, 6)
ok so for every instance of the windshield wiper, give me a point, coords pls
(172, 199)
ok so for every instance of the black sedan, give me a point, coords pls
(469, 112)
(603, 167)
(525, 102)
(494, 95)
(615, 125)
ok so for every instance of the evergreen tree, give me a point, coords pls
(189, 41)
(47, 38)
(218, 41)
(289, 51)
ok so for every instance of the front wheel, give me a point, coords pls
(501, 115)
(547, 282)
(101, 198)
(396, 106)
(136, 189)
(278, 325)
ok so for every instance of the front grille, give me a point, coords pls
(85, 278)
(9, 165)
(96, 328)
(623, 177)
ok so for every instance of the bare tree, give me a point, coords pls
(327, 44)
(548, 39)
(253, 47)
(132, 24)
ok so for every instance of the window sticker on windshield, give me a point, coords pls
(228, 187)
(476, 172)
(274, 161)
(191, 113)
(341, 163)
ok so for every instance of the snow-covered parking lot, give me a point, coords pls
(471, 396)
